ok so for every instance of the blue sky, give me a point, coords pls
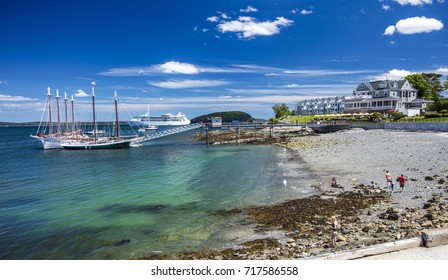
(203, 56)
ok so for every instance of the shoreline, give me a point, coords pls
(367, 216)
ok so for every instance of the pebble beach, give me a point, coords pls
(360, 156)
(367, 215)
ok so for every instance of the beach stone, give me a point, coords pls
(342, 238)
(366, 229)
(427, 224)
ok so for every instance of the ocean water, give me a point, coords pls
(119, 204)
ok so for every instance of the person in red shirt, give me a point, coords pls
(402, 179)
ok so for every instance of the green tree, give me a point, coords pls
(280, 110)
(428, 85)
(419, 83)
(435, 85)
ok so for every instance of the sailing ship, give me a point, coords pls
(115, 142)
(45, 134)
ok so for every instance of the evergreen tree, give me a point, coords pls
(428, 85)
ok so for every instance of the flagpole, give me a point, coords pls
(94, 115)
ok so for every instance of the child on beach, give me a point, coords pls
(334, 231)
(391, 187)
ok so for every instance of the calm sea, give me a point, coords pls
(121, 204)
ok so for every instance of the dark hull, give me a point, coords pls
(123, 144)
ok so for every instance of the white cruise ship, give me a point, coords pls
(164, 120)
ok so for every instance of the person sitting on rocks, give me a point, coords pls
(334, 184)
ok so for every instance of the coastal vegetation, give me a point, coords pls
(430, 87)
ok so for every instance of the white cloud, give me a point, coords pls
(385, 7)
(81, 93)
(249, 9)
(213, 19)
(174, 67)
(224, 15)
(390, 30)
(309, 90)
(393, 74)
(291, 86)
(306, 12)
(414, 25)
(324, 72)
(413, 2)
(249, 27)
(176, 84)
(4, 97)
(442, 70)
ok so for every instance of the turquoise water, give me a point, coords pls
(161, 198)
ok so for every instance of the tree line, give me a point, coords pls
(226, 117)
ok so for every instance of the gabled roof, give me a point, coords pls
(367, 86)
(384, 84)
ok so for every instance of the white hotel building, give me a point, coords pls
(378, 96)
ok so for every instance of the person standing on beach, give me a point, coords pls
(388, 178)
(402, 179)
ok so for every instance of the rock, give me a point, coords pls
(382, 227)
(427, 224)
(122, 242)
(342, 238)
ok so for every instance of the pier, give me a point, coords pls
(137, 142)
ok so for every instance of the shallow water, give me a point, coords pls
(120, 204)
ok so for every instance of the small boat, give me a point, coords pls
(148, 126)
(96, 143)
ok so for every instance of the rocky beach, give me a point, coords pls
(368, 214)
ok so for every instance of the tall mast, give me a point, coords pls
(117, 133)
(59, 115)
(93, 107)
(65, 107)
(50, 125)
(73, 114)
